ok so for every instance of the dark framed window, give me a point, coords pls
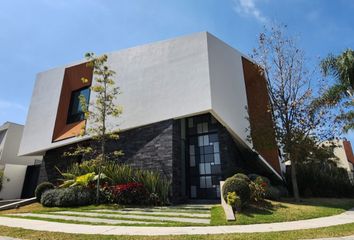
(75, 113)
(203, 152)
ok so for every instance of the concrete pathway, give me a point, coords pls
(39, 225)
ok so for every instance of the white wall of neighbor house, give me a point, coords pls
(340, 153)
(10, 143)
(14, 176)
(228, 89)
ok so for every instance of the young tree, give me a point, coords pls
(100, 112)
(289, 87)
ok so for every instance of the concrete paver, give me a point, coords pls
(153, 212)
(8, 238)
(83, 219)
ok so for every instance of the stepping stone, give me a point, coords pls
(82, 219)
(171, 209)
(156, 218)
(153, 212)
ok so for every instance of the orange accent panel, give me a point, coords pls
(71, 82)
(261, 120)
(348, 151)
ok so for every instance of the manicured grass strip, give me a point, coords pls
(273, 211)
(334, 231)
(168, 222)
(148, 224)
(84, 219)
(153, 213)
(142, 218)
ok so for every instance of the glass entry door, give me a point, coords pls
(204, 165)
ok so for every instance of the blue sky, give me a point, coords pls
(40, 34)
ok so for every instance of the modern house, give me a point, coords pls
(20, 173)
(188, 103)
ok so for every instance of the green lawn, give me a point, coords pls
(285, 211)
(336, 231)
(271, 211)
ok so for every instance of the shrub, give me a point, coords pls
(322, 179)
(67, 197)
(242, 176)
(130, 193)
(49, 198)
(240, 187)
(258, 189)
(234, 201)
(42, 188)
(272, 193)
(283, 191)
(155, 184)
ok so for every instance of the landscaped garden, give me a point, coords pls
(132, 197)
(135, 197)
(203, 215)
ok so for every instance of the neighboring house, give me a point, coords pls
(20, 173)
(343, 151)
(186, 105)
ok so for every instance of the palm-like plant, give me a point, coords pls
(342, 68)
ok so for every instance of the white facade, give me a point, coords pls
(341, 153)
(165, 80)
(14, 166)
(10, 138)
(13, 179)
(343, 161)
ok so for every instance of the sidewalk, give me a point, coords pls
(40, 225)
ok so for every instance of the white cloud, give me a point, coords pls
(249, 8)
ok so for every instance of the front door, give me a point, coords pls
(203, 157)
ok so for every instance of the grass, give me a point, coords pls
(272, 211)
(335, 231)
(148, 224)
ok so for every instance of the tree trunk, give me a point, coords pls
(294, 182)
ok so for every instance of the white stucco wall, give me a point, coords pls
(14, 176)
(10, 144)
(175, 78)
(340, 153)
(228, 90)
(159, 81)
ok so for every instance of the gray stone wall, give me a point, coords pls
(153, 147)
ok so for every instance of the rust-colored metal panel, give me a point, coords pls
(348, 151)
(71, 82)
(260, 117)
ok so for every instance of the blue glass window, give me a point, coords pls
(75, 109)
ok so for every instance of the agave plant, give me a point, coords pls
(71, 180)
